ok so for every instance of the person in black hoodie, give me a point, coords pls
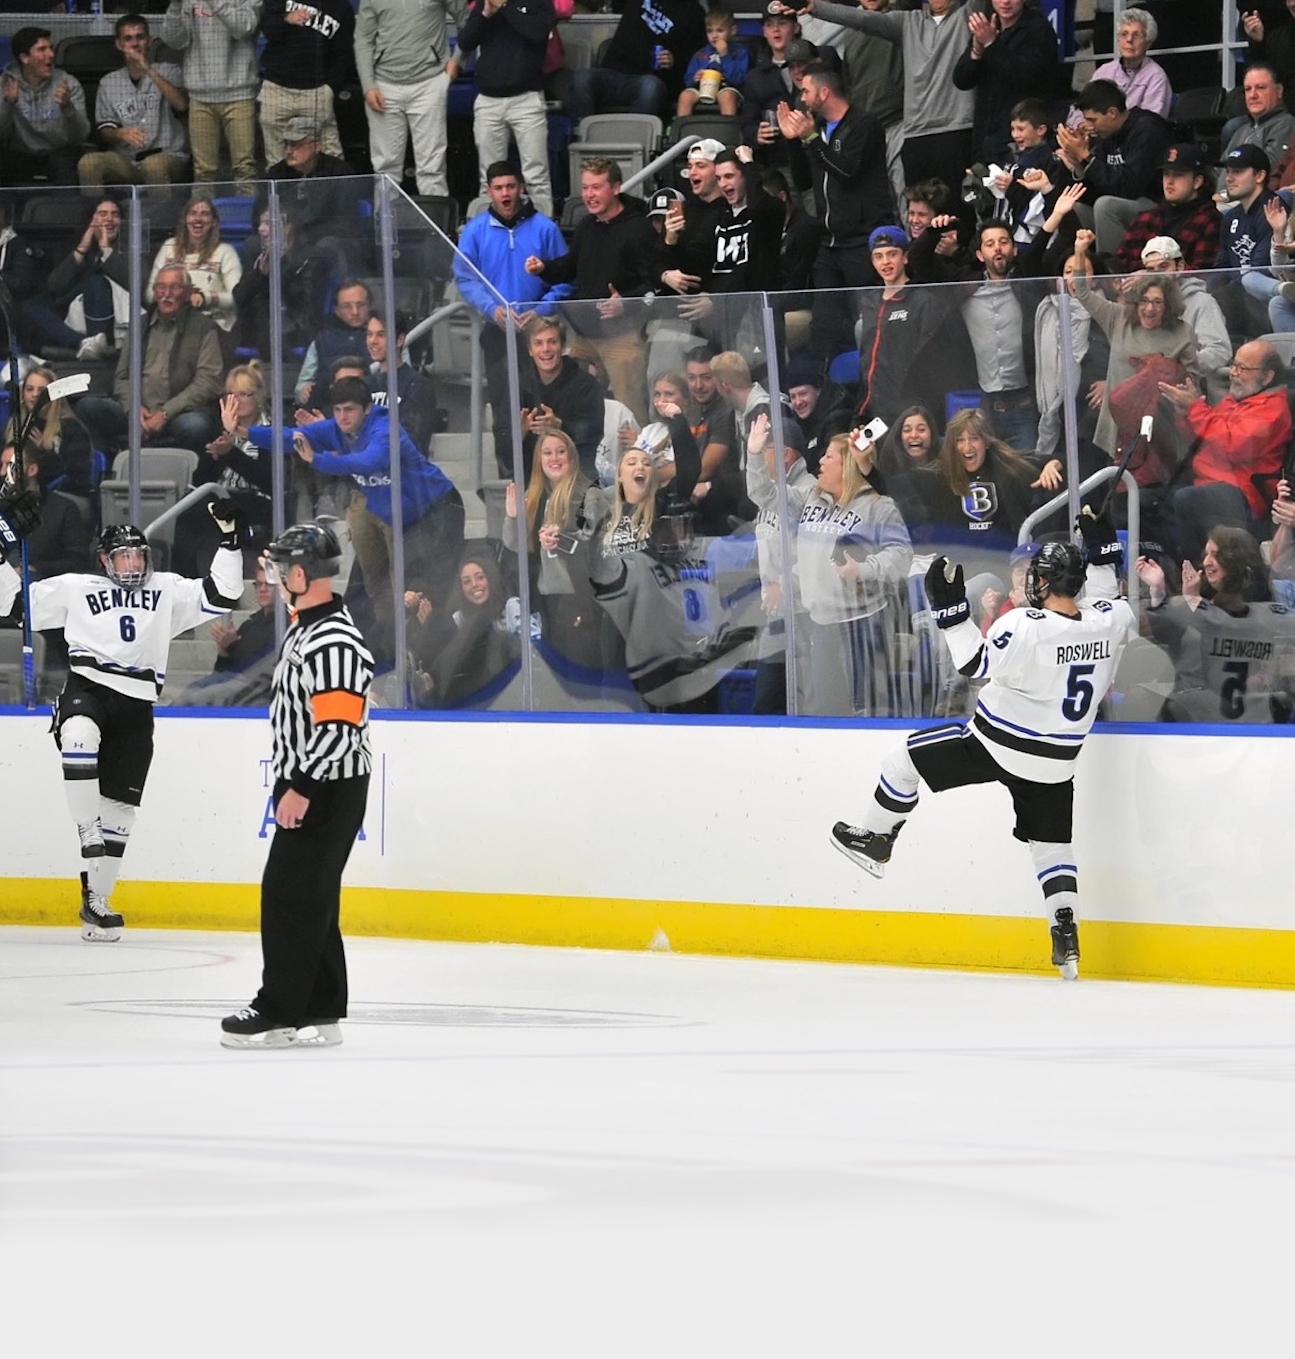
(613, 257)
(309, 55)
(510, 40)
(1117, 156)
(632, 73)
(558, 393)
(847, 155)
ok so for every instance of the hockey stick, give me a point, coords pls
(1143, 438)
(17, 477)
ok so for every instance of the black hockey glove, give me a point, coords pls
(230, 520)
(18, 517)
(1102, 546)
(947, 593)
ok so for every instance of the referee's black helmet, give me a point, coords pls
(1057, 569)
(312, 546)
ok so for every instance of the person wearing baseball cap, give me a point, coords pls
(661, 202)
(688, 230)
(1186, 211)
(1245, 236)
(1163, 255)
(899, 326)
(770, 82)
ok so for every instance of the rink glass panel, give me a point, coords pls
(697, 622)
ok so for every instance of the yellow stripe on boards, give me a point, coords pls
(1111, 949)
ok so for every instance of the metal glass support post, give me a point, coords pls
(787, 583)
(523, 528)
(135, 339)
(477, 403)
(1069, 397)
(278, 471)
(387, 245)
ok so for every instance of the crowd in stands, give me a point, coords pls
(939, 221)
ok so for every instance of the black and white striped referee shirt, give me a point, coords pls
(319, 706)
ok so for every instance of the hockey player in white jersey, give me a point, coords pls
(119, 628)
(1048, 666)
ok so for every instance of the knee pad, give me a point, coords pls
(78, 743)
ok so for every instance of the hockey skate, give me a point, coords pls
(248, 1028)
(99, 923)
(1065, 944)
(319, 1033)
(91, 835)
(869, 849)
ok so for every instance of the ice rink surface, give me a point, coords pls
(554, 1152)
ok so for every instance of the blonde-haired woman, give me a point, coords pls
(214, 267)
(57, 441)
(852, 559)
(235, 464)
(562, 507)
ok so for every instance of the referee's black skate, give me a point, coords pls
(99, 924)
(249, 1028)
(869, 849)
(1065, 944)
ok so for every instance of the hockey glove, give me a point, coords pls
(18, 517)
(230, 520)
(947, 593)
(1102, 546)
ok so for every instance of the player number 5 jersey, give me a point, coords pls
(1047, 673)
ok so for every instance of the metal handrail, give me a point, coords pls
(193, 497)
(671, 153)
(1135, 519)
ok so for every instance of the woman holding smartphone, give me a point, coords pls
(853, 555)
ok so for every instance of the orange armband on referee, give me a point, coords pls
(338, 705)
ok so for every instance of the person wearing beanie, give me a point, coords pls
(822, 407)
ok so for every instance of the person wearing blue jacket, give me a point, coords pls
(496, 243)
(356, 443)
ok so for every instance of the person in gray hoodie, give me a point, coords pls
(42, 113)
(218, 39)
(937, 116)
(402, 48)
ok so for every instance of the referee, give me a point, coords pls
(319, 717)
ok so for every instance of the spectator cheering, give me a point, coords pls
(42, 113)
(135, 117)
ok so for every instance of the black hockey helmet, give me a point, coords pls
(117, 538)
(313, 546)
(1057, 569)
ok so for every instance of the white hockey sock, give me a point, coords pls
(118, 820)
(895, 796)
(1054, 865)
(79, 745)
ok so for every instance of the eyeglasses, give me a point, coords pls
(1236, 367)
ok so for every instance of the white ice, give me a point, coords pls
(532, 1152)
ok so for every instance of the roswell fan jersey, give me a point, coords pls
(1236, 667)
(121, 637)
(1047, 673)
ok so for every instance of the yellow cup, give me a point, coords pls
(708, 88)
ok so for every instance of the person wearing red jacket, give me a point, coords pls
(1241, 445)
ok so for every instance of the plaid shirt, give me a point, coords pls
(1195, 227)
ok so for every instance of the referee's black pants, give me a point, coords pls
(304, 972)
